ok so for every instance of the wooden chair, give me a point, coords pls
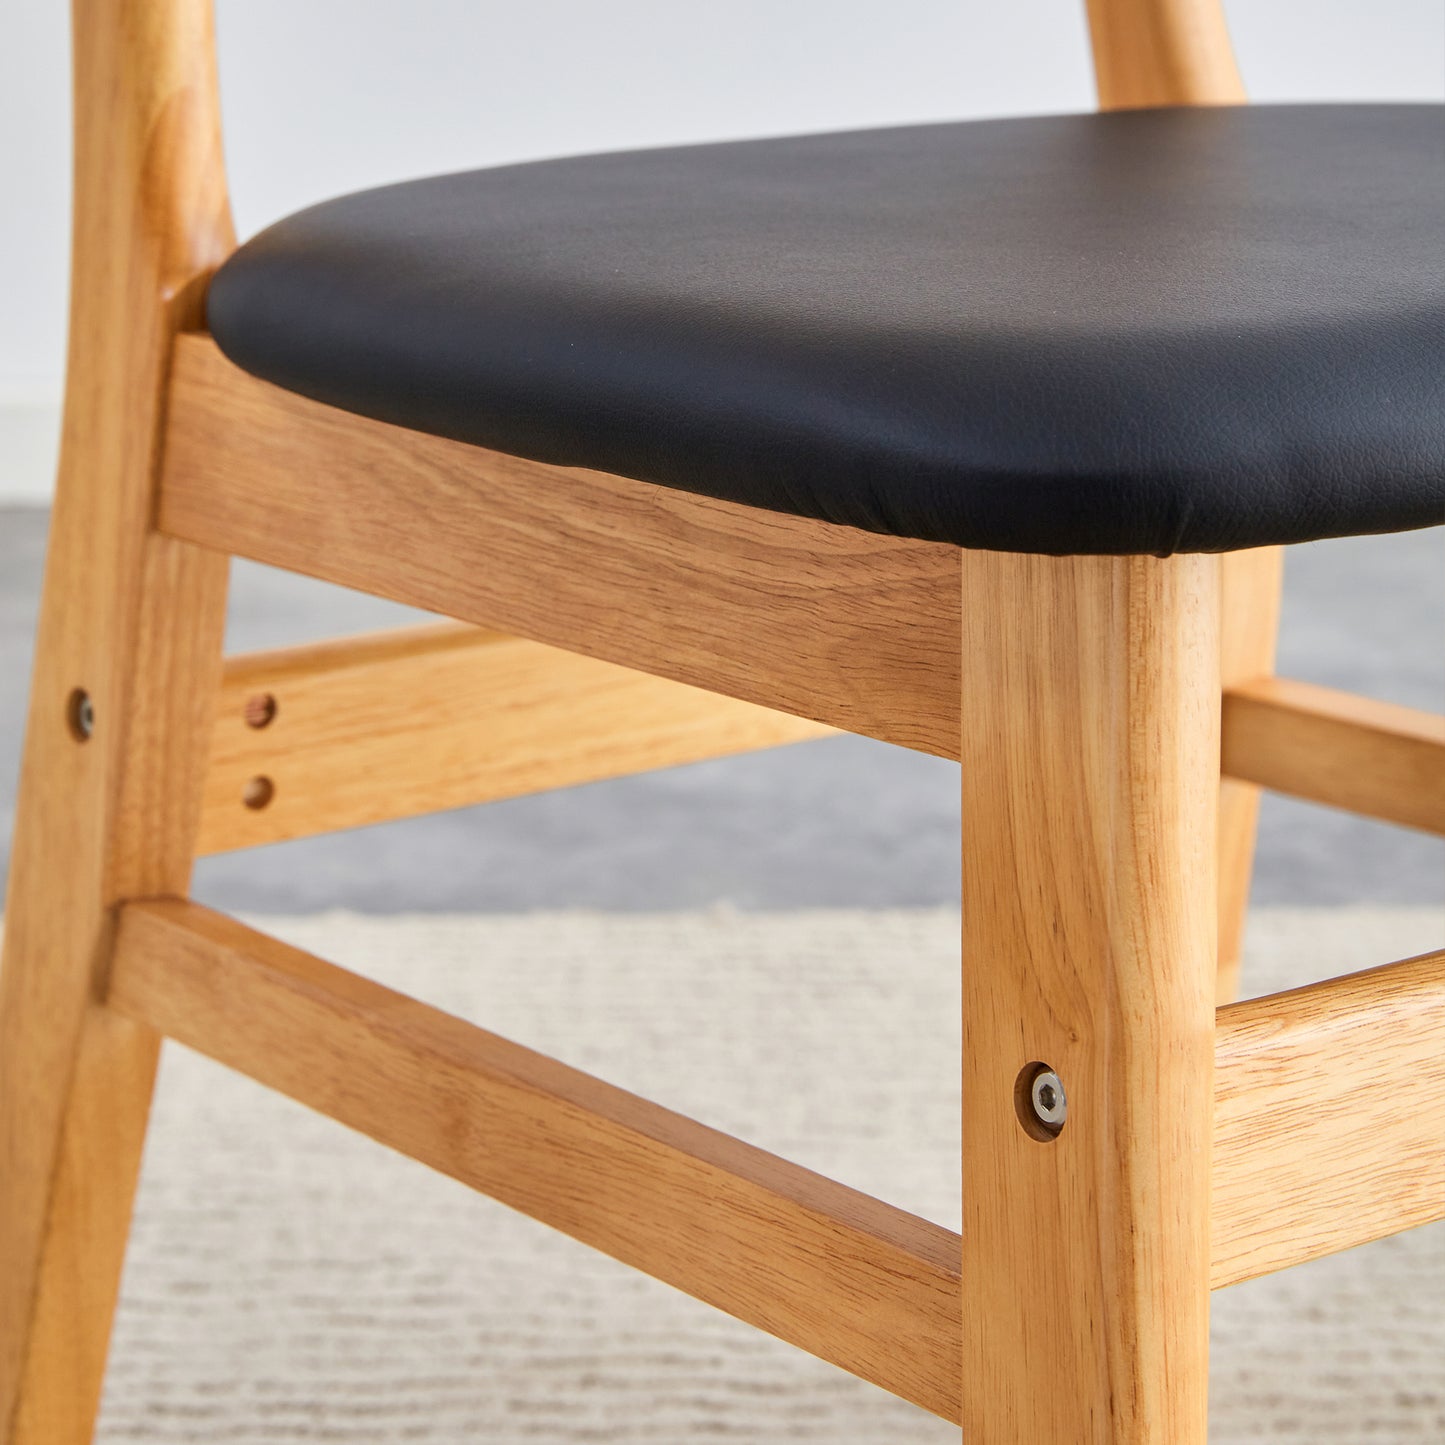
(1127, 1146)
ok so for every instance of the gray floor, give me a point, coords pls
(845, 821)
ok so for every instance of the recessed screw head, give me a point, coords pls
(80, 713)
(1046, 1094)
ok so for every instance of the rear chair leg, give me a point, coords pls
(1089, 739)
(127, 664)
(109, 804)
(1248, 626)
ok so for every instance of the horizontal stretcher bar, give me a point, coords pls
(1327, 1134)
(422, 719)
(390, 725)
(857, 1282)
(1329, 1117)
(1350, 752)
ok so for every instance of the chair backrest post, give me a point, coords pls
(1162, 52)
(151, 221)
(151, 212)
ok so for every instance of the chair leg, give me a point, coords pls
(128, 660)
(1090, 726)
(108, 809)
(1248, 626)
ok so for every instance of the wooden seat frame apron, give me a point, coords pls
(1105, 876)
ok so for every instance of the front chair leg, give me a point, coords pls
(1089, 744)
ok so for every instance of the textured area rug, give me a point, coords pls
(290, 1281)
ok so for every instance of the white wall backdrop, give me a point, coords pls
(324, 96)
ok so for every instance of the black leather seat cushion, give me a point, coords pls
(1188, 330)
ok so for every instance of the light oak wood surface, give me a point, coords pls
(1251, 586)
(855, 1281)
(829, 623)
(1089, 735)
(135, 621)
(1162, 52)
(1329, 1117)
(389, 725)
(1374, 758)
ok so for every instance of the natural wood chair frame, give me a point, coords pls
(1202, 1146)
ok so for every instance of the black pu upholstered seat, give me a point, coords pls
(1184, 330)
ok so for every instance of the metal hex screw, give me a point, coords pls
(1050, 1105)
(80, 713)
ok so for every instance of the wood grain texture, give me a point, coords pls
(1374, 758)
(1089, 739)
(859, 1283)
(135, 620)
(1251, 586)
(1329, 1117)
(845, 627)
(1357, 1167)
(395, 724)
(1162, 52)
